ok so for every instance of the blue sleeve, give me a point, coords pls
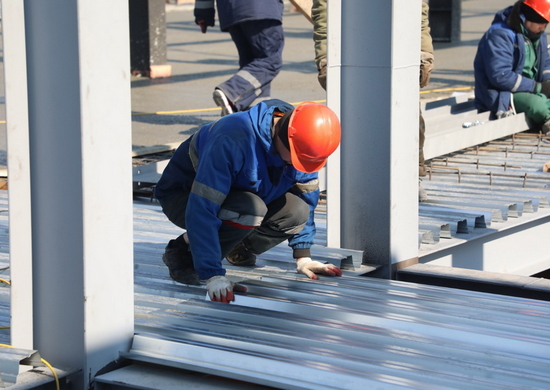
(500, 62)
(305, 238)
(545, 58)
(219, 161)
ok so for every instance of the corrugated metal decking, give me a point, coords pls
(4, 271)
(353, 332)
(350, 331)
(494, 187)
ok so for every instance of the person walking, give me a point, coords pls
(512, 65)
(244, 184)
(256, 29)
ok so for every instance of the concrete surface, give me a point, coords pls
(201, 61)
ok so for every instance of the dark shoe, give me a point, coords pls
(223, 102)
(179, 261)
(241, 256)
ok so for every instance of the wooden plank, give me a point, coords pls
(304, 7)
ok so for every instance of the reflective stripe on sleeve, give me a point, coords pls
(517, 84)
(208, 193)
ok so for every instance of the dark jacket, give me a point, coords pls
(499, 63)
(231, 12)
(235, 152)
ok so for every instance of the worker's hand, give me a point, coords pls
(545, 88)
(310, 268)
(426, 67)
(322, 75)
(204, 18)
(220, 289)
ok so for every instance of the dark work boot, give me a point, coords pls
(179, 261)
(241, 256)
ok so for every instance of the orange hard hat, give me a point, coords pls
(313, 135)
(541, 7)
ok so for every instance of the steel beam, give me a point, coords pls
(379, 174)
(17, 123)
(445, 131)
(334, 91)
(71, 58)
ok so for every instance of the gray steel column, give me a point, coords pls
(17, 126)
(79, 143)
(379, 111)
(334, 166)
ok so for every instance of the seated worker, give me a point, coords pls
(244, 184)
(512, 66)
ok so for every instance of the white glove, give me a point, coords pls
(220, 289)
(308, 267)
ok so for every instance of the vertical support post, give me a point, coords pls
(445, 20)
(17, 125)
(148, 38)
(75, 159)
(379, 110)
(334, 90)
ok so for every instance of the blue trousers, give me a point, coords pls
(260, 46)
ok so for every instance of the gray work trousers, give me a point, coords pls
(277, 221)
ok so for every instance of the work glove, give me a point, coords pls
(545, 88)
(426, 67)
(322, 76)
(204, 17)
(220, 289)
(310, 268)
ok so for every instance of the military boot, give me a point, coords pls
(179, 261)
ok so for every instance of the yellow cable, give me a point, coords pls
(43, 361)
(5, 281)
(53, 372)
(294, 104)
(4, 327)
(448, 89)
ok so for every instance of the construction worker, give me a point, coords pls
(244, 184)
(319, 17)
(256, 28)
(512, 65)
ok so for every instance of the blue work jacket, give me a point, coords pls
(235, 152)
(499, 63)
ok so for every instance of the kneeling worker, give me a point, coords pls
(244, 184)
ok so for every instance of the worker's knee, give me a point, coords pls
(288, 214)
(243, 208)
(535, 106)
